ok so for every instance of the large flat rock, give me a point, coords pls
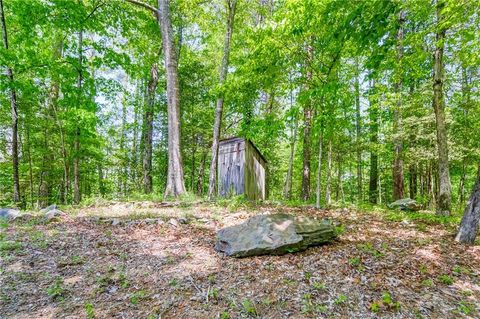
(274, 234)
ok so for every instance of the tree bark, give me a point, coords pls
(148, 130)
(398, 178)
(413, 181)
(373, 178)
(444, 195)
(77, 197)
(329, 174)
(212, 183)
(358, 137)
(175, 180)
(201, 174)
(14, 111)
(319, 169)
(287, 191)
(307, 128)
(469, 225)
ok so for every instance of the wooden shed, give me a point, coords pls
(241, 169)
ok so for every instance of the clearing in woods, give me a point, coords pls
(151, 260)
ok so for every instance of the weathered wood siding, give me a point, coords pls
(231, 167)
(254, 173)
(241, 169)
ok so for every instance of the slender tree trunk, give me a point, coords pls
(373, 178)
(461, 186)
(76, 161)
(319, 169)
(398, 179)
(358, 137)
(148, 130)
(212, 183)
(201, 174)
(471, 216)
(134, 155)
(413, 181)
(340, 196)
(30, 164)
(329, 174)
(101, 180)
(444, 196)
(194, 164)
(175, 180)
(307, 128)
(287, 191)
(14, 110)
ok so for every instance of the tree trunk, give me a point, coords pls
(14, 110)
(329, 174)
(194, 162)
(471, 216)
(398, 187)
(319, 169)
(212, 182)
(76, 162)
(201, 174)
(287, 191)
(413, 181)
(373, 177)
(358, 138)
(461, 187)
(444, 195)
(307, 128)
(339, 196)
(175, 181)
(148, 130)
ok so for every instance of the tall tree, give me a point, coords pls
(445, 189)
(358, 132)
(398, 179)
(212, 184)
(147, 132)
(175, 181)
(373, 180)
(307, 125)
(77, 197)
(175, 185)
(14, 110)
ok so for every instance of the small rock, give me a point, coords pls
(9, 213)
(115, 222)
(183, 220)
(54, 213)
(112, 289)
(173, 222)
(406, 204)
(49, 208)
(160, 222)
(149, 221)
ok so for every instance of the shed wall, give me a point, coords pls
(231, 167)
(255, 187)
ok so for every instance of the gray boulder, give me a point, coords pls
(406, 204)
(49, 208)
(9, 213)
(51, 214)
(274, 234)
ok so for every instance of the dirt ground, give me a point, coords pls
(150, 260)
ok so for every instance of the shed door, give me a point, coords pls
(231, 168)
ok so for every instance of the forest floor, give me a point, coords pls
(151, 260)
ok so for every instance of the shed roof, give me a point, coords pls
(235, 138)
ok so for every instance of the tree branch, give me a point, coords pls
(144, 5)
